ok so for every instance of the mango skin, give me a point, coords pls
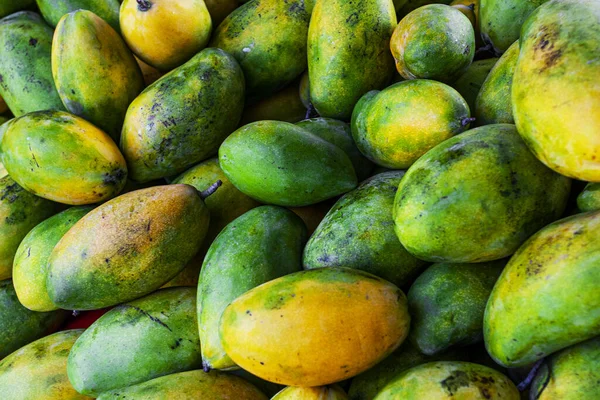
(411, 5)
(556, 259)
(26, 41)
(268, 388)
(137, 341)
(64, 158)
(589, 199)
(170, 127)
(556, 91)
(469, 84)
(220, 9)
(342, 70)
(476, 197)
(333, 392)
(53, 10)
(127, 247)
(273, 329)
(39, 370)
(282, 164)
(8, 7)
(285, 105)
(396, 126)
(268, 39)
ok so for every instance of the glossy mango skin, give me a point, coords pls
(127, 247)
(8, 7)
(137, 341)
(476, 197)
(26, 41)
(268, 39)
(355, 318)
(333, 392)
(39, 370)
(53, 10)
(279, 163)
(589, 199)
(263, 244)
(396, 126)
(358, 60)
(183, 117)
(469, 83)
(64, 158)
(519, 325)
(556, 91)
(285, 105)
(31, 258)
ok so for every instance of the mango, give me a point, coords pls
(53, 10)
(182, 118)
(305, 89)
(279, 163)
(26, 43)
(333, 392)
(354, 318)
(39, 370)
(268, 388)
(476, 197)
(285, 105)
(8, 7)
(62, 157)
(589, 198)
(396, 126)
(312, 215)
(469, 84)
(557, 267)
(341, 70)
(406, 6)
(555, 91)
(137, 341)
(150, 73)
(268, 39)
(220, 9)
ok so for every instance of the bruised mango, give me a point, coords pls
(333, 392)
(53, 10)
(469, 83)
(285, 105)
(589, 198)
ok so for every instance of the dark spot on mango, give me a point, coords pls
(16, 217)
(33, 42)
(455, 381)
(114, 178)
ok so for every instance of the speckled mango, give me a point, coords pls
(183, 117)
(469, 83)
(137, 341)
(268, 38)
(26, 82)
(396, 126)
(556, 90)
(280, 163)
(358, 60)
(39, 370)
(285, 105)
(449, 380)
(353, 317)
(476, 197)
(62, 157)
(8, 7)
(558, 267)
(589, 198)
(53, 10)
(333, 392)
(127, 247)
(31, 258)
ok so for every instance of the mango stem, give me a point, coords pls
(467, 121)
(527, 381)
(144, 5)
(211, 189)
(205, 367)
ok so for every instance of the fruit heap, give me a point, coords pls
(221, 199)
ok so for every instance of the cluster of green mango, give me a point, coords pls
(300, 199)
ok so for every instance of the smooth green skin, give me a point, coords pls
(547, 296)
(476, 197)
(26, 82)
(358, 232)
(268, 38)
(493, 104)
(8, 7)
(31, 258)
(358, 60)
(137, 341)
(589, 199)
(280, 163)
(170, 127)
(20, 326)
(340, 134)
(446, 303)
(263, 244)
(20, 211)
(469, 84)
(108, 10)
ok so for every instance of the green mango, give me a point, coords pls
(589, 199)
(8, 7)
(26, 82)
(358, 232)
(31, 258)
(108, 10)
(470, 82)
(406, 6)
(137, 341)
(127, 247)
(348, 53)
(285, 105)
(183, 117)
(547, 296)
(446, 303)
(476, 197)
(268, 38)
(294, 167)
(261, 245)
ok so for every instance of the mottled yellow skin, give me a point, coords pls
(315, 327)
(167, 34)
(333, 392)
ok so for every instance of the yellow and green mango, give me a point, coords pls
(53, 10)
(589, 198)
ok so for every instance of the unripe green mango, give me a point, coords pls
(280, 163)
(469, 84)
(8, 7)
(547, 296)
(332, 392)
(137, 341)
(26, 43)
(127, 247)
(53, 10)
(183, 117)
(589, 199)
(341, 70)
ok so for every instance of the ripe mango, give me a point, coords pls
(333, 392)
(469, 84)
(589, 199)
(108, 10)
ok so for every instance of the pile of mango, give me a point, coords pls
(300, 199)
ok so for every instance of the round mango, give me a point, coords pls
(589, 199)
(311, 393)
(53, 10)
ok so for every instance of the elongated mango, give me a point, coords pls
(53, 10)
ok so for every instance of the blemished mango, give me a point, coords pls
(333, 392)
(53, 10)
(589, 198)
